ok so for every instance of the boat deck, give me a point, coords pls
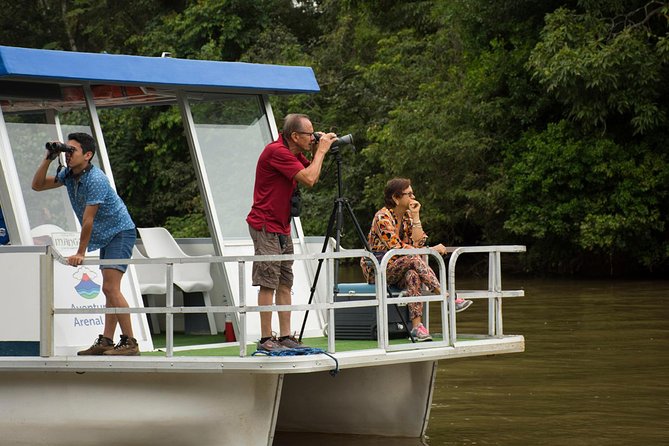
(224, 357)
(172, 353)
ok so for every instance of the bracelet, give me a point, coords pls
(417, 225)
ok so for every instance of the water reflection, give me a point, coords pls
(595, 372)
(287, 438)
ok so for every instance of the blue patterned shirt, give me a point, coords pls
(93, 188)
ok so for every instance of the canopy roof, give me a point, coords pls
(73, 68)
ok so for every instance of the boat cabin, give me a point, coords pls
(45, 95)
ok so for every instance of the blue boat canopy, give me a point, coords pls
(73, 68)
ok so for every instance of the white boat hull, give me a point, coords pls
(69, 409)
(112, 408)
(392, 400)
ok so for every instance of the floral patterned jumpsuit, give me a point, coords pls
(407, 272)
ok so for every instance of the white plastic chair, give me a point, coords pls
(188, 277)
(41, 234)
(151, 278)
(46, 229)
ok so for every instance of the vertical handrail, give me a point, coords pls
(498, 288)
(492, 326)
(46, 304)
(451, 295)
(169, 303)
(241, 266)
(382, 295)
(446, 300)
(329, 284)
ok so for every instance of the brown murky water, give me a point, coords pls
(595, 372)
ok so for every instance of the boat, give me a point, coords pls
(173, 395)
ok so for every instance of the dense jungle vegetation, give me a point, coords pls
(530, 122)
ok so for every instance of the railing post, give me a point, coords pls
(169, 303)
(46, 304)
(329, 284)
(451, 296)
(491, 288)
(495, 286)
(498, 288)
(382, 295)
(443, 285)
(241, 267)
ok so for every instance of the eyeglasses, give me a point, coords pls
(304, 133)
(411, 194)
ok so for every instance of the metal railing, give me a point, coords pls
(381, 300)
(494, 293)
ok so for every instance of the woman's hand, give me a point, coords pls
(441, 249)
(414, 207)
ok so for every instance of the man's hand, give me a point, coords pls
(325, 142)
(75, 260)
(51, 154)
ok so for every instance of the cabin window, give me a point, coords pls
(231, 132)
(28, 132)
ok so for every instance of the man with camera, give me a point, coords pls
(105, 225)
(281, 166)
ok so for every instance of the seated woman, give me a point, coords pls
(398, 226)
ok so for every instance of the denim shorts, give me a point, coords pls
(119, 247)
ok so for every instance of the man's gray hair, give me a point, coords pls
(293, 123)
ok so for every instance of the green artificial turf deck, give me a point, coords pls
(182, 340)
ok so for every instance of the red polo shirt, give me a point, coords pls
(274, 185)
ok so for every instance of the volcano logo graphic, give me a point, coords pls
(87, 288)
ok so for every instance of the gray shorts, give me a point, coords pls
(271, 274)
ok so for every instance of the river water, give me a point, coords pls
(595, 372)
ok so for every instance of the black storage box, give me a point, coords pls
(195, 323)
(360, 323)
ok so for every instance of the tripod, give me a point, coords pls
(335, 223)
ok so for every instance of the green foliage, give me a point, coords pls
(79, 25)
(589, 194)
(188, 226)
(153, 167)
(215, 29)
(600, 73)
(542, 123)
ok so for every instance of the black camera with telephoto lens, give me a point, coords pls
(341, 141)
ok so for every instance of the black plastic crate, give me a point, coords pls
(360, 323)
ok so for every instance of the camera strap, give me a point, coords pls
(60, 167)
(296, 203)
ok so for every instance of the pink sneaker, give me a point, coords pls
(462, 305)
(420, 333)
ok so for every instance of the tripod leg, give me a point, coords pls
(318, 269)
(363, 239)
(358, 229)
